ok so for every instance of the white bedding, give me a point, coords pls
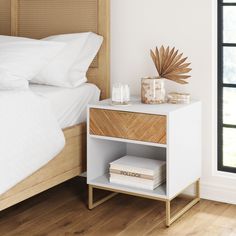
(30, 136)
(31, 120)
(68, 105)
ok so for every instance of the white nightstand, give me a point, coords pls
(166, 132)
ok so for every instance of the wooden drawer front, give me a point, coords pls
(128, 125)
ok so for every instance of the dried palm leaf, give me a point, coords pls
(170, 64)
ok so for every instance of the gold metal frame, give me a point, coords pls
(195, 200)
(169, 219)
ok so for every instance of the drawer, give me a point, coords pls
(128, 125)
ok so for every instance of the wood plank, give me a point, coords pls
(154, 217)
(97, 218)
(14, 17)
(75, 130)
(32, 211)
(195, 221)
(63, 211)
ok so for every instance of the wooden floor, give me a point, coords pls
(62, 211)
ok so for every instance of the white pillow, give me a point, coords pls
(69, 68)
(9, 39)
(22, 59)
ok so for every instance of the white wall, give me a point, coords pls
(139, 25)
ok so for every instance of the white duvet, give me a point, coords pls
(30, 136)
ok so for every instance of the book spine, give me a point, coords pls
(137, 180)
(135, 185)
(137, 170)
(136, 175)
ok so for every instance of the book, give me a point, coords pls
(160, 174)
(136, 185)
(138, 172)
(138, 180)
(138, 165)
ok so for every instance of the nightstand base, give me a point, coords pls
(92, 204)
(169, 219)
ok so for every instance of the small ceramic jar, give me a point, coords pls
(153, 90)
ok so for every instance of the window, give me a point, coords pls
(227, 85)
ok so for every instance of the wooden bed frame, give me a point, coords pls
(41, 18)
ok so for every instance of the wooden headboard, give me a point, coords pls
(41, 18)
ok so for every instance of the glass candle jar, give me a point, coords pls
(120, 94)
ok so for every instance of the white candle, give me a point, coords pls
(120, 93)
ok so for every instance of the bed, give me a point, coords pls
(42, 18)
(68, 105)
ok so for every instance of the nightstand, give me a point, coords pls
(166, 132)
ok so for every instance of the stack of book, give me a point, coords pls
(138, 172)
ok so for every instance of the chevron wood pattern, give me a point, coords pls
(128, 125)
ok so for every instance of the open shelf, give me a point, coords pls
(103, 182)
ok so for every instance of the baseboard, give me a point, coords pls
(218, 193)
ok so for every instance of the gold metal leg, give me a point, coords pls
(168, 213)
(92, 204)
(169, 219)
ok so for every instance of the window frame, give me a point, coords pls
(221, 86)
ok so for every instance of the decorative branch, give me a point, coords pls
(170, 64)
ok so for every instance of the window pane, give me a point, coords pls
(229, 150)
(229, 107)
(227, 99)
(230, 65)
(229, 13)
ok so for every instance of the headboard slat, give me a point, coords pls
(5, 23)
